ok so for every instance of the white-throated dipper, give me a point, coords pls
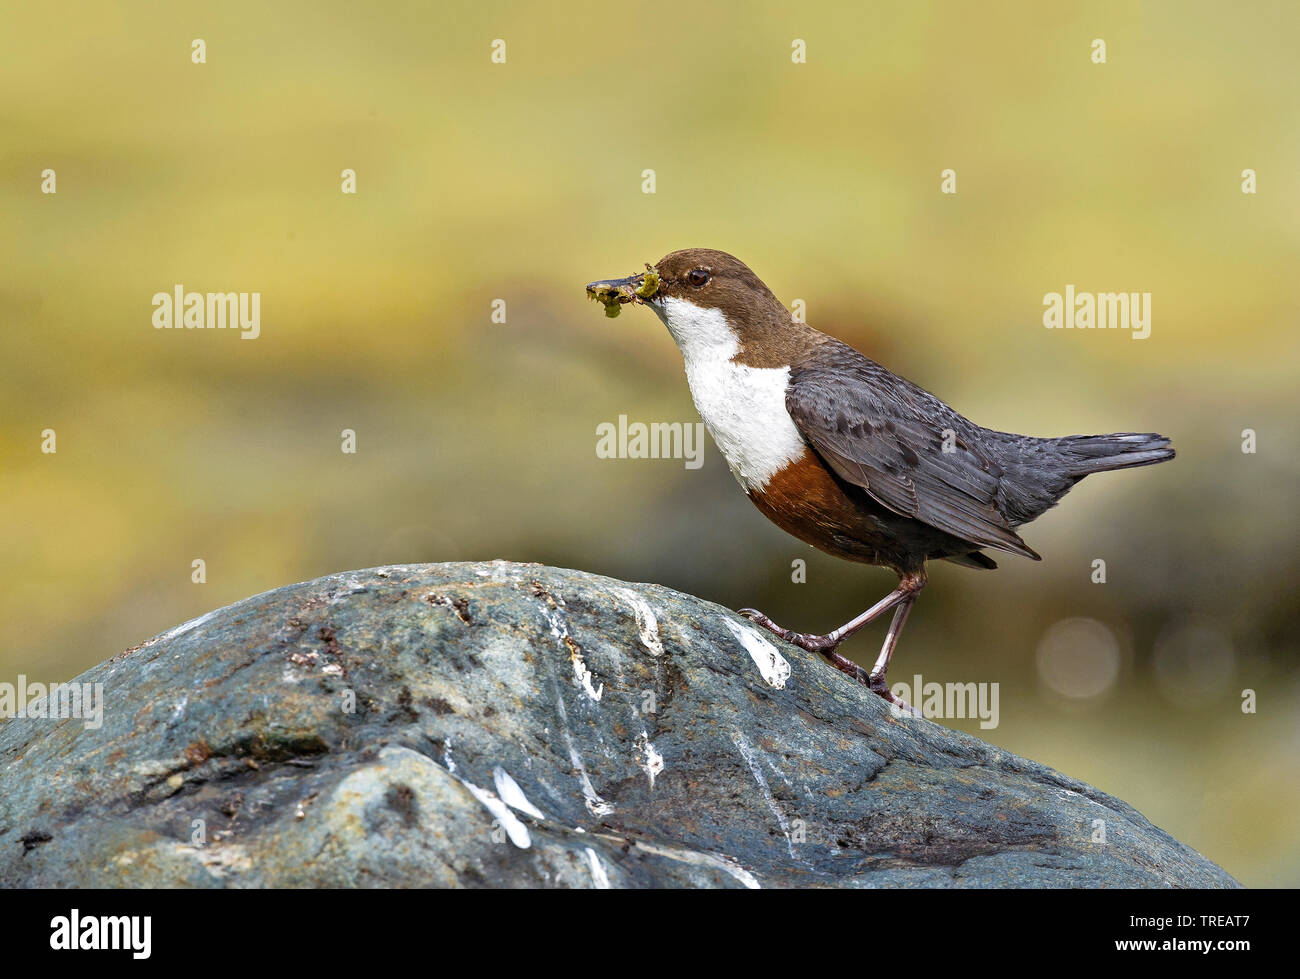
(843, 454)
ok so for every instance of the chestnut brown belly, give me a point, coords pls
(809, 501)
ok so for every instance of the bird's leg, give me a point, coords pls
(901, 598)
(828, 642)
(876, 679)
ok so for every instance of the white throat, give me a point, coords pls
(743, 407)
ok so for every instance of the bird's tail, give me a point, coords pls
(1099, 453)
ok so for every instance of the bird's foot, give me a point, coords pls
(824, 646)
(876, 683)
(900, 599)
(814, 644)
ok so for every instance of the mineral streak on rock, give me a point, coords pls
(354, 731)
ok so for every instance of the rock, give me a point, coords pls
(517, 725)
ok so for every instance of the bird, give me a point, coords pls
(847, 456)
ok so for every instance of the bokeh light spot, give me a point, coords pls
(1079, 658)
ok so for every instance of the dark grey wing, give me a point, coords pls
(885, 434)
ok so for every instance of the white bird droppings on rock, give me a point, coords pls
(516, 830)
(512, 795)
(598, 875)
(771, 664)
(654, 762)
(646, 623)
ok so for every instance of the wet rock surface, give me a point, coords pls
(501, 724)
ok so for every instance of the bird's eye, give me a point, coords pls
(698, 277)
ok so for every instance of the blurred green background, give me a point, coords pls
(522, 181)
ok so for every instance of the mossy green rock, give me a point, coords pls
(517, 725)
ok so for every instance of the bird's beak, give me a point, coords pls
(614, 293)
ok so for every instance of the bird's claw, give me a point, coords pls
(825, 646)
(877, 685)
(758, 618)
(814, 644)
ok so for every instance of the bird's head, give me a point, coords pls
(710, 301)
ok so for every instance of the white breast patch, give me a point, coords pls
(743, 407)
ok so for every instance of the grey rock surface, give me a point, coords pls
(518, 725)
